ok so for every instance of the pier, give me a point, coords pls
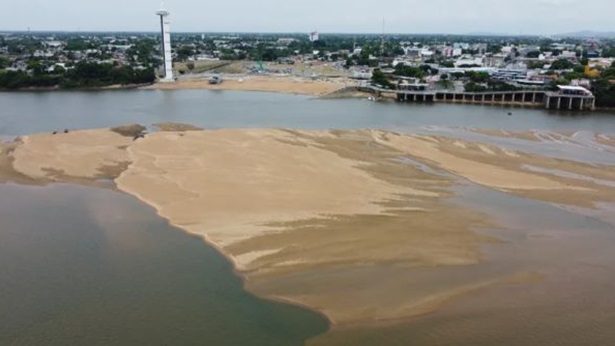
(566, 98)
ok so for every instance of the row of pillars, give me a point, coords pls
(415, 97)
(568, 102)
(529, 97)
(550, 101)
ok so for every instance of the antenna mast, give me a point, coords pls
(382, 39)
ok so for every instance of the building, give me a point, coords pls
(570, 98)
(165, 28)
(284, 41)
(314, 36)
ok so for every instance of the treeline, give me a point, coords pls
(604, 88)
(83, 75)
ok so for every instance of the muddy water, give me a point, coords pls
(570, 301)
(97, 267)
(30, 112)
(88, 266)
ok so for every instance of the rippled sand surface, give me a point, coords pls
(376, 229)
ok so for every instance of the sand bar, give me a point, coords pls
(333, 220)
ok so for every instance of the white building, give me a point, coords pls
(165, 27)
(314, 36)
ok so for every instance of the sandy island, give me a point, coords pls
(338, 221)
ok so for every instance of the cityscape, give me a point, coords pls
(446, 63)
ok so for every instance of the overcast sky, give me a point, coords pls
(343, 16)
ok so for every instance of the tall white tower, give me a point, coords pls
(165, 27)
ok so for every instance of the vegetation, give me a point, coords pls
(379, 78)
(4, 62)
(474, 87)
(604, 88)
(491, 85)
(409, 71)
(536, 64)
(83, 75)
(604, 91)
(562, 64)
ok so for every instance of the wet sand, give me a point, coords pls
(359, 225)
(7, 172)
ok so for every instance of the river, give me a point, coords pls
(94, 266)
(28, 112)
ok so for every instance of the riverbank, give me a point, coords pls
(312, 217)
(280, 84)
(58, 88)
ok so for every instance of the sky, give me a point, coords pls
(541, 17)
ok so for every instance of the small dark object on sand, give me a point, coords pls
(54, 133)
(65, 131)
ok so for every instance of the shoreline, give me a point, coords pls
(232, 260)
(323, 88)
(58, 88)
(258, 83)
(305, 254)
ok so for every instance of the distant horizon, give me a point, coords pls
(583, 34)
(580, 33)
(445, 17)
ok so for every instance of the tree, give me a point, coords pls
(36, 67)
(495, 48)
(609, 73)
(4, 62)
(604, 92)
(457, 75)
(609, 53)
(562, 64)
(533, 54)
(474, 87)
(184, 52)
(478, 77)
(59, 70)
(536, 64)
(379, 78)
(409, 71)
(349, 63)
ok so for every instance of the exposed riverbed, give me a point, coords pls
(452, 218)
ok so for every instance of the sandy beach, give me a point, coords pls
(281, 84)
(314, 217)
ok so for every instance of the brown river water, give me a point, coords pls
(81, 265)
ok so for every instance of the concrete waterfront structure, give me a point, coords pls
(566, 98)
(165, 28)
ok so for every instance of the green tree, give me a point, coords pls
(4, 62)
(604, 91)
(478, 77)
(474, 87)
(562, 64)
(409, 71)
(457, 75)
(533, 54)
(379, 78)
